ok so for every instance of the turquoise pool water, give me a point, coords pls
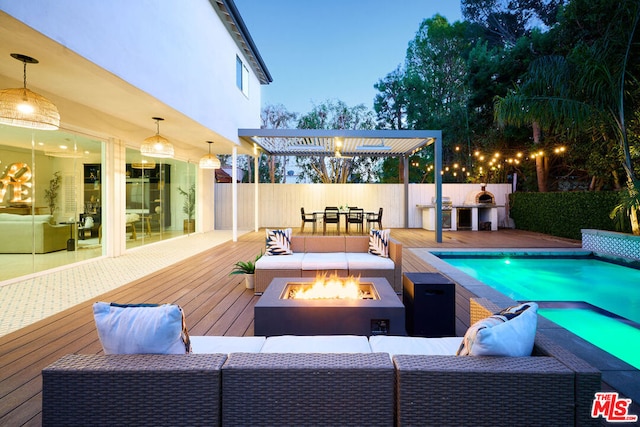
(605, 285)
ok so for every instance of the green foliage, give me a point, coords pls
(324, 169)
(245, 267)
(189, 206)
(51, 193)
(564, 214)
(628, 206)
(273, 169)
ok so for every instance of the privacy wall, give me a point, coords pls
(279, 204)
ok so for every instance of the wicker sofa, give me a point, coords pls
(344, 255)
(347, 387)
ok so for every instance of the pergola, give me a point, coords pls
(350, 143)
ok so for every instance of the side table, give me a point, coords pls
(430, 304)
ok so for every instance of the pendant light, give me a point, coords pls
(24, 108)
(157, 145)
(209, 161)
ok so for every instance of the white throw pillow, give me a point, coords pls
(379, 242)
(141, 328)
(510, 332)
(278, 242)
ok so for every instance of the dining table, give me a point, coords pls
(342, 213)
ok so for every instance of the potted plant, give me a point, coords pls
(247, 268)
(189, 208)
(51, 193)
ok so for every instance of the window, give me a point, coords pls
(242, 76)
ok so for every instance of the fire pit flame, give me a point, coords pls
(331, 288)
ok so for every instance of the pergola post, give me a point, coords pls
(234, 193)
(256, 161)
(405, 180)
(437, 151)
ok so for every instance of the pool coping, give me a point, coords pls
(615, 372)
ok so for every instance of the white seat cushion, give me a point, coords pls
(226, 345)
(415, 345)
(325, 261)
(367, 261)
(316, 344)
(281, 262)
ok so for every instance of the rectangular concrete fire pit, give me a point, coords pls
(276, 314)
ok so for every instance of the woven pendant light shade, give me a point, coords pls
(157, 145)
(209, 161)
(24, 108)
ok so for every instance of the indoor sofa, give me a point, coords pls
(21, 232)
(324, 380)
(341, 255)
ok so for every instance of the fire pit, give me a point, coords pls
(373, 309)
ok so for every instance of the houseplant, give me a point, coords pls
(189, 208)
(51, 193)
(247, 268)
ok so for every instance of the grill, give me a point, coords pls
(447, 207)
(446, 203)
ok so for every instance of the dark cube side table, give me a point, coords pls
(430, 305)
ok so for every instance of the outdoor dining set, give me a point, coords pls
(351, 215)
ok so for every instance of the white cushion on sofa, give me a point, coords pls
(325, 261)
(367, 261)
(226, 345)
(415, 345)
(316, 344)
(281, 262)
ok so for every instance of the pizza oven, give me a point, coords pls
(481, 197)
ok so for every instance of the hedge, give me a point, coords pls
(564, 214)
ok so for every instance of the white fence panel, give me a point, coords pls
(279, 204)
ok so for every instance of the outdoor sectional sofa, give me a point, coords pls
(339, 380)
(341, 255)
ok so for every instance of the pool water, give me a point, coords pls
(605, 285)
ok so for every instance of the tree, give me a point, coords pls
(590, 88)
(390, 104)
(275, 117)
(506, 21)
(337, 115)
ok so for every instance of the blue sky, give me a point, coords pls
(334, 49)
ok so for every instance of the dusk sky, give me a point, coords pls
(334, 49)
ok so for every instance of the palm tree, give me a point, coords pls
(584, 92)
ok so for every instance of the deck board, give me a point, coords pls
(214, 303)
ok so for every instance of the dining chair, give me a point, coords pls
(355, 216)
(308, 217)
(373, 218)
(331, 216)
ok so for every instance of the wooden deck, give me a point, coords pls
(214, 302)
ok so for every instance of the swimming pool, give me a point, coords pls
(609, 319)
